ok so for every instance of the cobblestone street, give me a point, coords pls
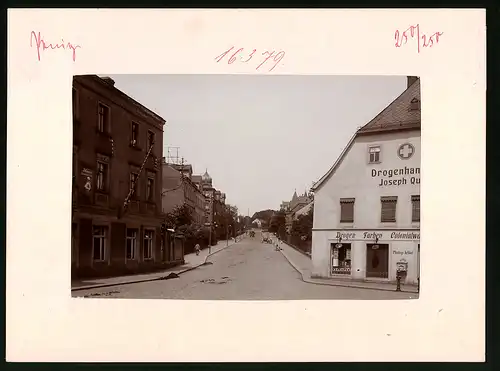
(248, 270)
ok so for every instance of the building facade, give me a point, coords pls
(295, 204)
(367, 206)
(117, 146)
(179, 189)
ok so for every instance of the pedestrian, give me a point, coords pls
(197, 249)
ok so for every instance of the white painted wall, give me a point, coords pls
(353, 179)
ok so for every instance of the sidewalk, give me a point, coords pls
(303, 265)
(192, 261)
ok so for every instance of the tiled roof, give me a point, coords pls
(402, 113)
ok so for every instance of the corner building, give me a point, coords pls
(367, 206)
(117, 145)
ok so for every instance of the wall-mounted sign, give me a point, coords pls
(88, 184)
(397, 176)
(406, 151)
(371, 236)
(87, 172)
(402, 266)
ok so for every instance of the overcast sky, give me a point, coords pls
(261, 137)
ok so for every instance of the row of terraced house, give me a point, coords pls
(123, 186)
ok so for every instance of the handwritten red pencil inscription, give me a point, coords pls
(245, 57)
(423, 41)
(42, 46)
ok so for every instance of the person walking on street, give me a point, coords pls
(197, 249)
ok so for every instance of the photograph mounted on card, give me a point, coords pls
(193, 229)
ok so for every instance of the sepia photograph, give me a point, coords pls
(246, 187)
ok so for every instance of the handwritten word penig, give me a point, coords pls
(42, 46)
(423, 41)
(262, 58)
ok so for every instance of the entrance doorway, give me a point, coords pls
(377, 260)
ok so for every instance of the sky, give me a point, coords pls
(261, 137)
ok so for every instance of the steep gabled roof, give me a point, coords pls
(402, 114)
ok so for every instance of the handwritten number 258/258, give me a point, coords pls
(277, 57)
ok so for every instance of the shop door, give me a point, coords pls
(377, 261)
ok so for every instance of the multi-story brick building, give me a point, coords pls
(117, 145)
(179, 189)
(204, 183)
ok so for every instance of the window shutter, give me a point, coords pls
(415, 208)
(346, 210)
(388, 213)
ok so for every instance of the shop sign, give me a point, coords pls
(341, 270)
(371, 236)
(397, 176)
(87, 172)
(404, 252)
(87, 179)
(402, 266)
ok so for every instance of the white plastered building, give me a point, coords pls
(367, 206)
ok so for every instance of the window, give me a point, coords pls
(347, 210)
(134, 177)
(102, 175)
(99, 234)
(388, 213)
(131, 244)
(150, 188)
(374, 153)
(415, 208)
(75, 103)
(134, 137)
(341, 258)
(148, 244)
(151, 138)
(103, 118)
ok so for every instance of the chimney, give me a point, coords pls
(109, 80)
(411, 80)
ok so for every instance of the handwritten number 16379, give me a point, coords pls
(233, 55)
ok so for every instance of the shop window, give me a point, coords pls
(131, 244)
(388, 213)
(415, 208)
(374, 155)
(99, 242)
(148, 244)
(347, 210)
(341, 258)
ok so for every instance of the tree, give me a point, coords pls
(180, 216)
(277, 222)
(302, 226)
